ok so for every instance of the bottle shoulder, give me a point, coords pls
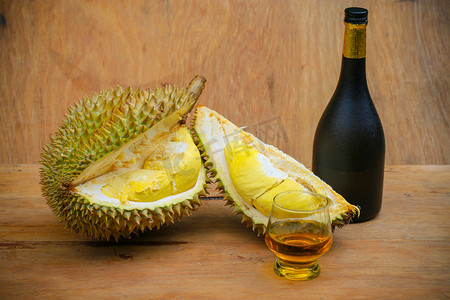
(346, 121)
(355, 106)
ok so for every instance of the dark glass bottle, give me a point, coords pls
(349, 145)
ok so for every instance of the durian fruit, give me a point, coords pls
(124, 162)
(251, 173)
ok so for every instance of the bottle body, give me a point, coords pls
(349, 143)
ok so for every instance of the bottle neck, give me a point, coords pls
(353, 69)
(353, 73)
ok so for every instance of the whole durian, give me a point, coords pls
(123, 162)
(251, 173)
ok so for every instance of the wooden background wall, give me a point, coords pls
(270, 65)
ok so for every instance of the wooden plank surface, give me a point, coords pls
(271, 65)
(403, 253)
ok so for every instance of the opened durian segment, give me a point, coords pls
(215, 133)
(159, 169)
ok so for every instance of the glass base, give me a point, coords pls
(296, 271)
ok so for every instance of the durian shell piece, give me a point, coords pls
(95, 127)
(212, 132)
(104, 223)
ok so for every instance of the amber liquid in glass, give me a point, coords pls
(298, 241)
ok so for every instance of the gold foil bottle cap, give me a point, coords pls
(355, 32)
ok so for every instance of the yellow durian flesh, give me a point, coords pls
(257, 180)
(295, 202)
(139, 185)
(171, 166)
(251, 172)
(180, 158)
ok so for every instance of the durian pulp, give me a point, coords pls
(258, 181)
(167, 165)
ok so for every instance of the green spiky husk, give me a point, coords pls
(93, 128)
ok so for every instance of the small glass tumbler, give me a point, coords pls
(298, 232)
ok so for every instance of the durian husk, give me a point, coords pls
(212, 128)
(95, 127)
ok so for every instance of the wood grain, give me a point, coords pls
(271, 65)
(402, 254)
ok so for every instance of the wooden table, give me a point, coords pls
(403, 253)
